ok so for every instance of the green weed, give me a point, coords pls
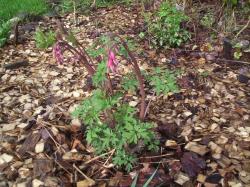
(45, 40)
(163, 81)
(164, 27)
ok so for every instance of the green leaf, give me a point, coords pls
(164, 26)
(45, 40)
(151, 178)
(163, 82)
(128, 129)
(129, 82)
(100, 75)
(5, 28)
(237, 55)
(135, 181)
(94, 53)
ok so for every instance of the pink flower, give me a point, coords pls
(112, 61)
(57, 52)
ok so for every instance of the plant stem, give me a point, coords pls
(139, 76)
(109, 84)
(245, 27)
(83, 59)
(81, 50)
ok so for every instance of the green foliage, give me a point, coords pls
(163, 81)
(100, 75)
(122, 158)
(238, 48)
(45, 40)
(204, 74)
(128, 130)
(67, 6)
(110, 124)
(208, 20)
(94, 53)
(5, 28)
(105, 3)
(91, 108)
(230, 2)
(11, 8)
(131, 45)
(129, 82)
(237, 55)
(164, 27)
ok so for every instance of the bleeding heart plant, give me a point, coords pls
(110, 124)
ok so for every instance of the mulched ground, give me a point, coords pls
(204, 130)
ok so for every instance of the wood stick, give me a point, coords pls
(95, 158)
(233, 61)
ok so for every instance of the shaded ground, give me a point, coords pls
(204, 130)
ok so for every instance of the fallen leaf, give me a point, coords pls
(214, 178)
(171, 144)
(201, 61)
(192, 164)
(85, 183)
(5, 158)
(197, 148)
(168, 130)
(29, 144)
(42, 166)
(181, 179)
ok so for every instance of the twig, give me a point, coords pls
(56, 143)
(236, 61)
(59, 164)
(236, 36)
(167, 161)
(85, 176)
(58, 126)
(63, 167)
(230, 83)
(97, 157)
(109, 157)
(146, 110)
(157, 156)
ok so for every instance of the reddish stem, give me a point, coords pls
(83, 59)
(109, 84)
(81, 50)
(139, 76)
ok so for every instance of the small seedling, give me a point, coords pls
(163, 81)
(5, 29)
(45, 40)
(164, 27)
(208, 20)
(4, 32)
(204, 74)
(129, 82)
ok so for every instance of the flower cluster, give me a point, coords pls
(112, 62)
(57, 52)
